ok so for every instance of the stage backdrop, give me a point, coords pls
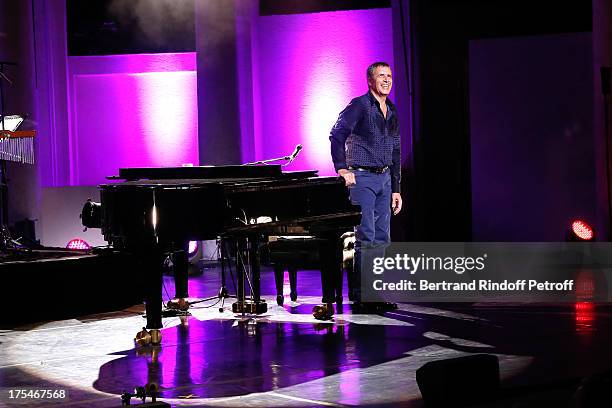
(131, 111)
(307, 68)
(141, 110)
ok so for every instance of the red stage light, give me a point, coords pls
(77, 243)
(582, 230)
(585, 316)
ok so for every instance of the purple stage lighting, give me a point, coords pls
(310, 67)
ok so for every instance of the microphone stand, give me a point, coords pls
(288, 159)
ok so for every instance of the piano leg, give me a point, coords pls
(152, 263)
(326, 282)
(255, 267)
(338, 270)
(331, 268)
(180, 259)
(279, 273)
(292, 283)
(330, 252)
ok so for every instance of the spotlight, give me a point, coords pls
(193, 249)
(77, 243)
(581, 231)
(91, 214)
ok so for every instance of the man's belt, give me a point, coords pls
(377, 170)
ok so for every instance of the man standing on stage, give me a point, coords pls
(365, 149)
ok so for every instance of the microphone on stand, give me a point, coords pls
(295, 153)
(289, 158)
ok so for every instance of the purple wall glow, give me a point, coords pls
(131, 111)
(309, 67)
(141, 110)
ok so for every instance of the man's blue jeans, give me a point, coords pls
(372, 192)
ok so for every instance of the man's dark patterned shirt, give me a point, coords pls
(362, 137)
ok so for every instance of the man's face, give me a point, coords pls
(381, 83)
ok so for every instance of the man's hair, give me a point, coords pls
(372, 68)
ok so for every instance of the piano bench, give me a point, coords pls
(301, 252)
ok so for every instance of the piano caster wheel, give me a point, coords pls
(220, 310)
(323, 312)
(145, 337)
(293, 297)
(180, 304)
(280, 300)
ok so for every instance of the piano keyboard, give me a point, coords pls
(17, 146)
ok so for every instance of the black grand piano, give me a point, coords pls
(153, 211)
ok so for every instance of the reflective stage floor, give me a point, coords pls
(286, 358)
